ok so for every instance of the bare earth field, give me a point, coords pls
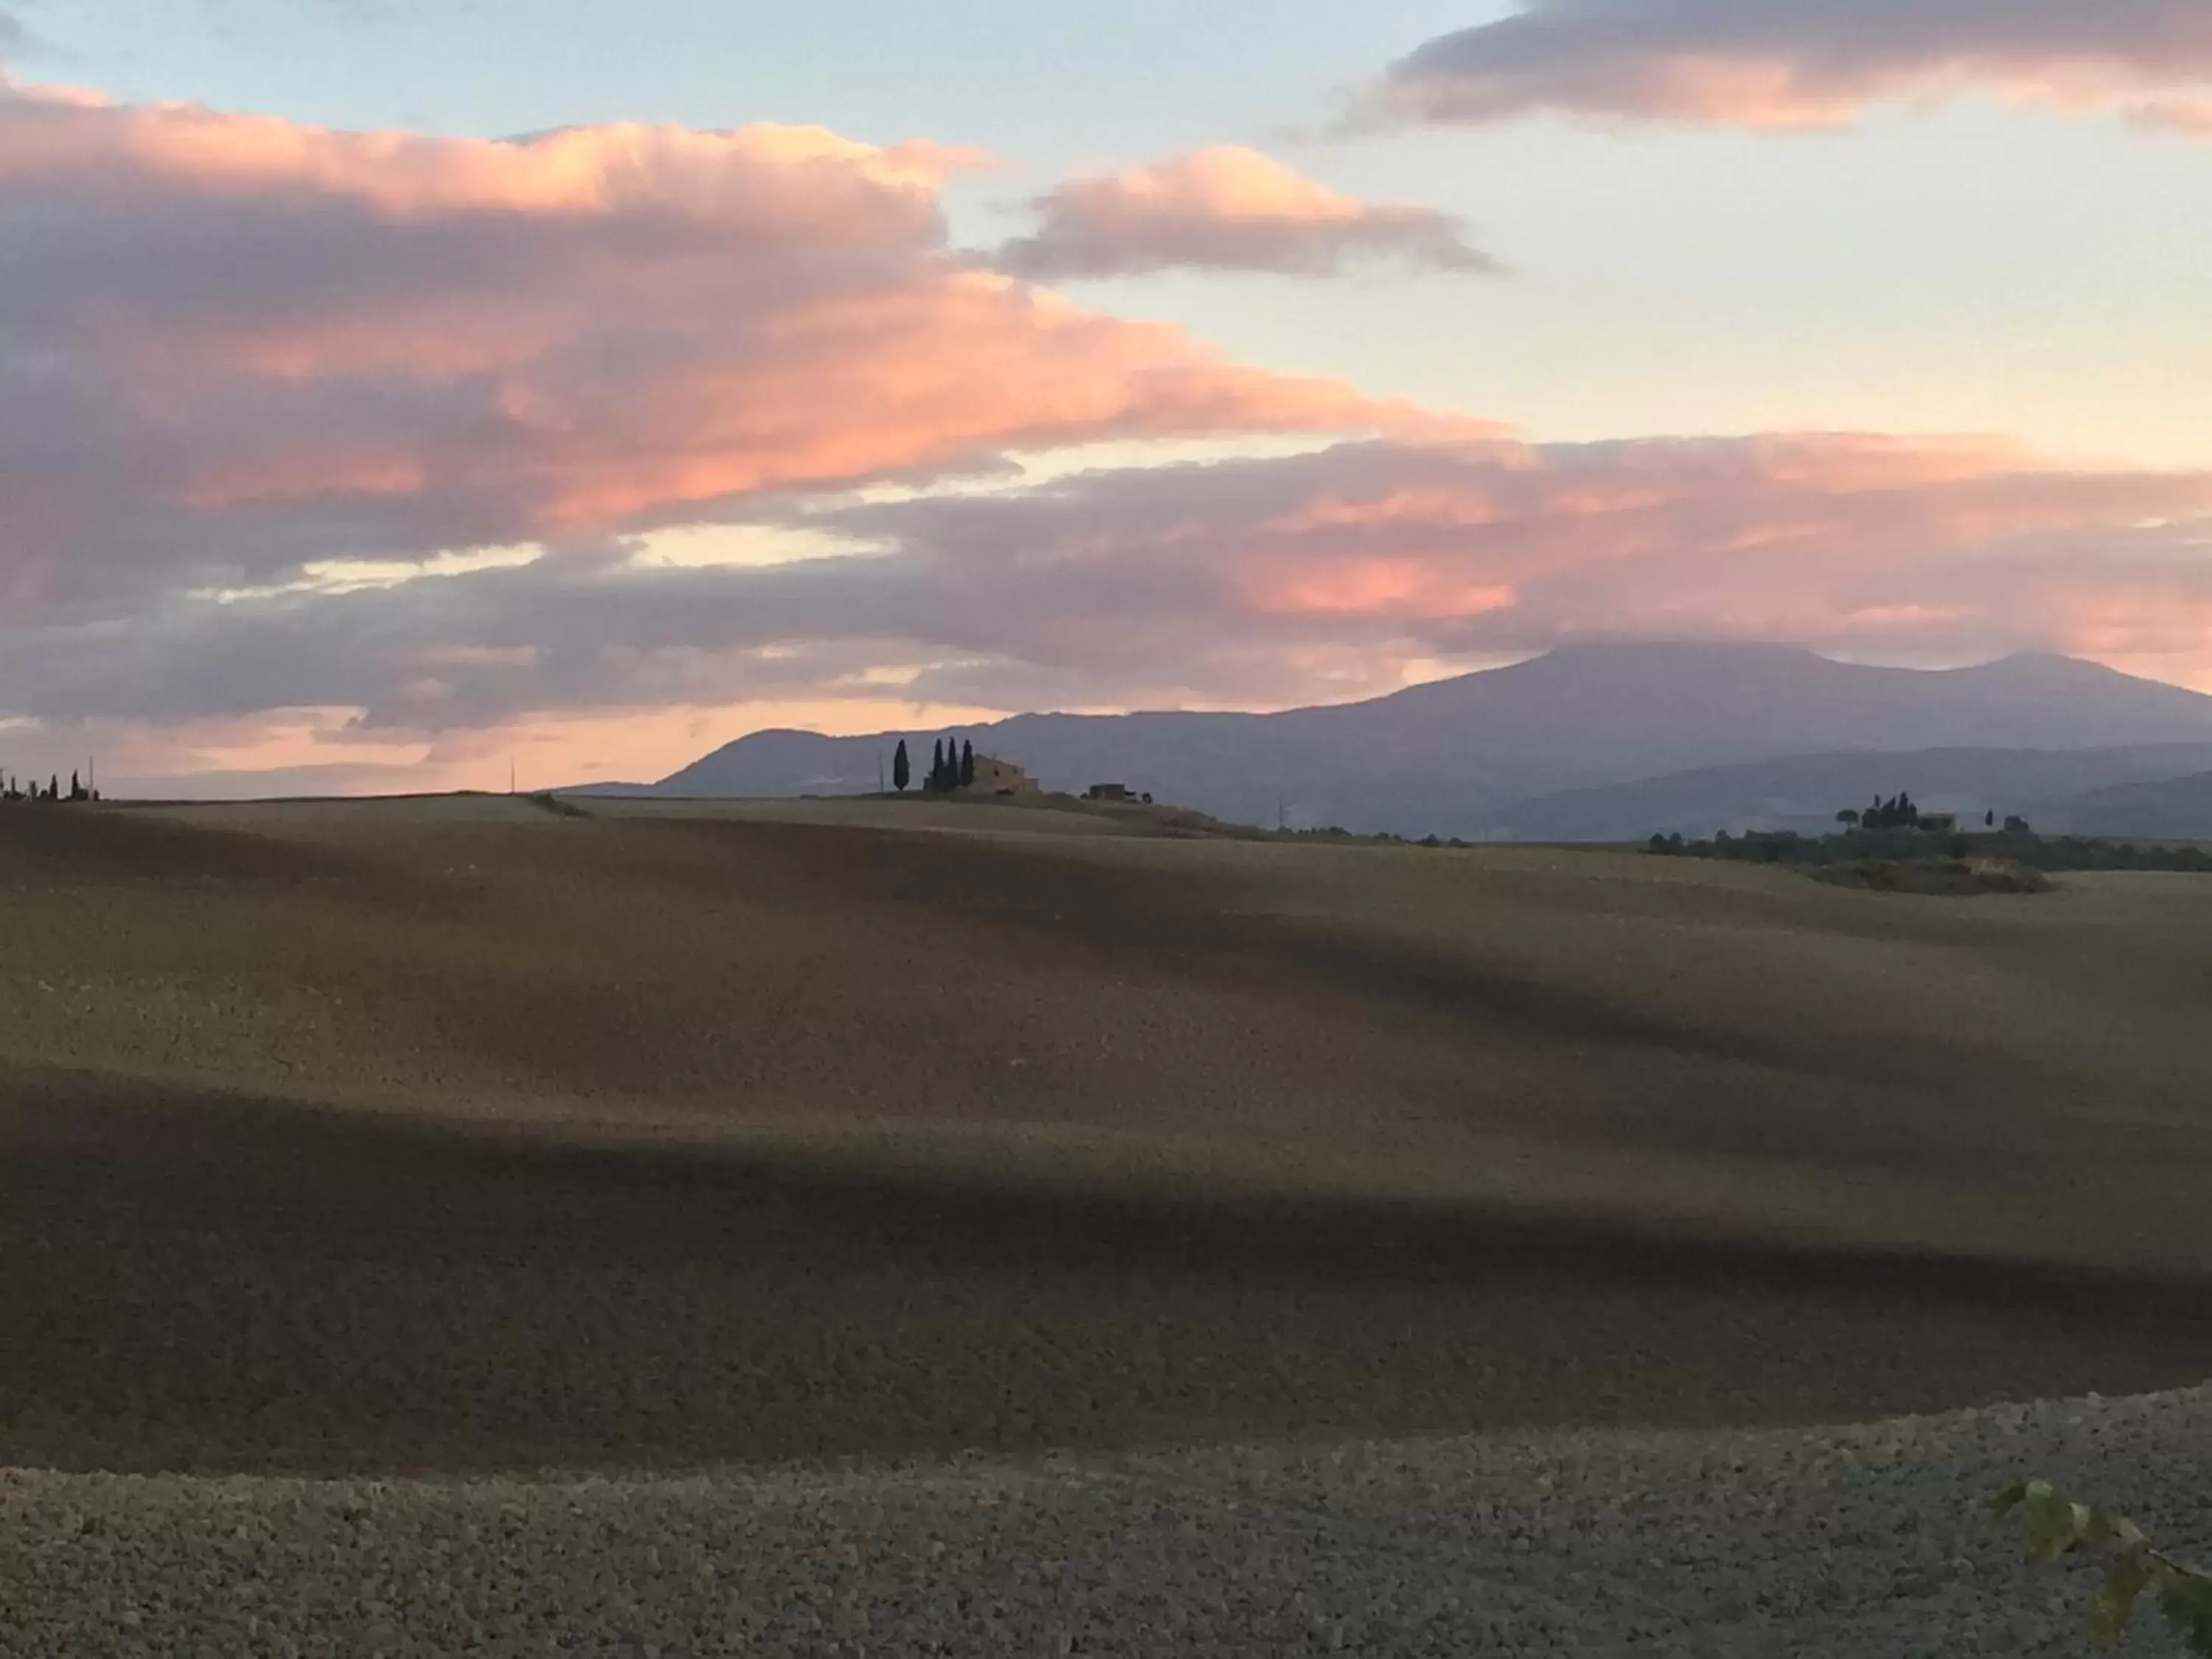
(794, 1151)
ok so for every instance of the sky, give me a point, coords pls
(395, 391)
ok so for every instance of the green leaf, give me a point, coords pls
(2111, 1534)
(2113, 1608)
(2185, 1599)
(2003, 1505)
(2054, 1526)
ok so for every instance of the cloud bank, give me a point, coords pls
(1254, 583)
(317, 446)
(1804, 64)
(232, 347)
(1227, 209)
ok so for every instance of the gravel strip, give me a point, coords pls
(1862, 1541)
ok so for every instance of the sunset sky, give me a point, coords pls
(390, 389)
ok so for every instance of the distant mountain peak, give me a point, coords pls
(1446, 758)
(1687, 646)
(2051, 662)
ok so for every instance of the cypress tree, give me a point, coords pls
(967, 765)
(936, 765)
(901, 768)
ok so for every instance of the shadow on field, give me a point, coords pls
(1009, 900)
(110, 845)
(210, 1284)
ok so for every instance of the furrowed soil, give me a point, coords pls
(424, 1137)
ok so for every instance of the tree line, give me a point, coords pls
(11, 788)
(1900, 811)
(951, 766)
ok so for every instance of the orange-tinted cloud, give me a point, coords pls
(231, 345)
(1918, 550)
(1262, 582)
(1806, 64)
(2190, 117)
(1227, 209)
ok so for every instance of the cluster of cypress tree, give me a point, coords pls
(13, 790)
(951, 766)
(1901, 811)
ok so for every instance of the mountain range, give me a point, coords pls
(1604, 742)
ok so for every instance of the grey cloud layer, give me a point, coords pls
(1254, 582)
(1807, 63)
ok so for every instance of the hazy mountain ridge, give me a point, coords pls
(1593, 741)
(2178, 808)
(2053, 788)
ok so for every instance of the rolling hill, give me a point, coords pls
(2180, 808)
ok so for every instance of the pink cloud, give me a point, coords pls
(231, 345)
(1254, 583)
(1227, 209)
(1804, 64)
(2190, 117)
(1935, 550)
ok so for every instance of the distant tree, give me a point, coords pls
(936, 765)
(967, 765)
(1849, 818)
(77, 787)
(54, 787)
(901, 768)
(1989, 819)
(1897, 812)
